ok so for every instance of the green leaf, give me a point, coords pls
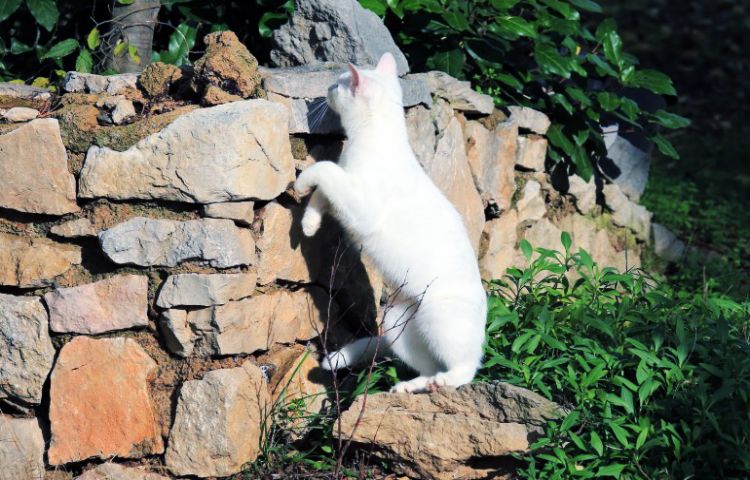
(125, 2)
(517, 26)
(570, 420)
(263, 24)
(642, 437)
(456, 20)
(450, 62)
(45, 12)
(61, 49)
(526, 249)
(120, 48)
(601, 65)
(670, 120)
(630, 108)
(556, 136)
(665, 146)
(504, 4)
(133, 54)
(181, 42)
(613, 470)
(587, 5)
(7, 7)
(596, 443)
(84, 62)
(578, 95)
(652, 80)
(93, 40)
(17, 47)
(378, 7)
(613, 49)
(565, 240)
(621, 434)
(551, 61)
(608, 101)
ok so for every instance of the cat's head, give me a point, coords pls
(360, 93)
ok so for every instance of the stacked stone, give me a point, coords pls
(125, 233)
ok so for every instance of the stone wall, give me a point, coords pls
(157, 294)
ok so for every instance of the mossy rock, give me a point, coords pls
(228, 66)
(121, 138)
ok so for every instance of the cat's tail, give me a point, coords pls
(360, 351)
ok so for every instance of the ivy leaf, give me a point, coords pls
(61, 49)
(450, 62)
(517, 26)
(92, 39)
(665, 146)
(652, 80)
(670, 120)
(84, 62)
(7, 7)
(45, 12)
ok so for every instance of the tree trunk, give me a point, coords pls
(134, 24)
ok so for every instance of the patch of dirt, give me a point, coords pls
(105, 214)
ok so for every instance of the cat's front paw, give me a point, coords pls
(305, 182)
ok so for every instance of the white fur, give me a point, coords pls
(416, 238)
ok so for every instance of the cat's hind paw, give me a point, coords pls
(415, 385)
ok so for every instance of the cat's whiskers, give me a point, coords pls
(317, 113)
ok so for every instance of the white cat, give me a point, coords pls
(414, 235)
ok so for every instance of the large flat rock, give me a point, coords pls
(116, 303)
(34, 262)
(34, 176)
(100, 405)
(218, 423)
(237, 151)
(452, 433)
(147, 242)
(339, 31)
(26, 352)
(205, 289)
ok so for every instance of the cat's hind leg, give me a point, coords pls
(407, 343)
(360, 351)
(455, 335)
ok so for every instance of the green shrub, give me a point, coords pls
(541, 54)
(657, 381)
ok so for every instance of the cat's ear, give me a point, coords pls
(357, 81)
(387, 65)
